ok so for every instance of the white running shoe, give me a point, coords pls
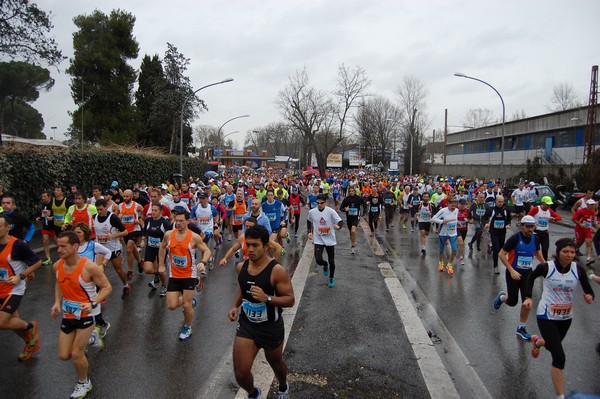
(81, 389)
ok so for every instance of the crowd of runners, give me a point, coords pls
(172, 232)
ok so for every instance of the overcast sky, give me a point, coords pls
(523, 48)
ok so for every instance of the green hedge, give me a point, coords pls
(26, 172)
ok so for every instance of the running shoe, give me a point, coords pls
(104, 329)
(199, 284)
(287, 238)
(498, 301)
(32, 335)
(441, 266)
(450, 269)
(296, 235)
(129, 276)
(95, 340)
(237, 253)
(331, 283)
(283, 250)
(496, 270)
(589, 261)
(522, 332)
(194, 302)
(387, 230)
(535, 349)
(423, 251)
(126, 291)
(353, 250)
(412, 229)
(478, 249)
(140, 268)
(186, 333)
(163, 291)
(404, 226)
(228, 237)
(283, 394)
(326, 269)
(32, 343)
(81, 389)
(153, 284)
(462, 260)
(257, 394)
(470, 247)
(47, 262)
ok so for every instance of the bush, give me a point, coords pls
(26, 172)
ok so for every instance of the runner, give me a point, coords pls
(203, 215)
(296, 202)
(287, 217)
(109, 231)
(80, 212)
(585, 221)
(424, 213)
(47, 225)
(272, 208)
(554, 311)
(240, 244)
(389, 202)
(155, 228)
(404, 206)
(581, 203)
(414, 201)
(498, 222)
(352, 205)
(75, 293)
(464, 216)
(17, 263)
(130, 213)
(228, 198)
(448, 220)
(181, 245)
(543, 215)
(322, 222)
(477, 211)
(265, 288)
(519, 197)
(20, 225)
(374, 206)
(517, 255)
(59, 209)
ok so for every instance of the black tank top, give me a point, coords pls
(253, 310)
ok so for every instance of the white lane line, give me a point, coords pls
(263, 375)
(438, 381)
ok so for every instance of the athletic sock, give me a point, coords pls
(522, 325)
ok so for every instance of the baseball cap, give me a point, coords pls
(531, 183)
(547, 200)
(164, 187)
(211, 180)
(528, 220)
(590, 202)
(114, 184)
(202, 195)
(453, 199)
(491, 185)
(462, 201)
(193, 185)
(179, 209)
(108, 192)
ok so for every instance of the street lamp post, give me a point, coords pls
(462, 75)
(181, 122)
(219, 138)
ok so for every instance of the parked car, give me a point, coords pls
(569, 199)
(542, 191)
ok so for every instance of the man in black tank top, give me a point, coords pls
(265, 288)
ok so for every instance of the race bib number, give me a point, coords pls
(185, 200)
(491, 204)
(295, 207)
(587, 225)
(415, 202)
(127, 219)
(179, 261)
(480, 212)
(255, 312)
(204, 220)
(239, 218)
(498, 224)
(153, 242)
(72, 307)
(101, 240)
(542, 222)
(451, 226)
(324, 230)
(353, 212)
(561, 309)
(59, 218)
(524, 262)
(462, 224)
(272, 217)
(374, 209)
(3, 274)
(425, 217)
(388, 200)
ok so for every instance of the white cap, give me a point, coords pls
(531, 183)
(590, 202)
(193, 185)
(211, 180)
(164, 187)
(528, 220)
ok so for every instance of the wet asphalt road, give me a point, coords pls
(346, 342)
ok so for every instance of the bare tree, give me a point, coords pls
(479, 117)
(519, 114)
(207, 139)
(276, 138)
(318, 116)
(412, 94)
(563, 98)
(377, 123)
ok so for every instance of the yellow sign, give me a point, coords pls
(334, 161)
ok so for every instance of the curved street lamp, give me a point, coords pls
(181, 124)
(462, 75)
(221, 128)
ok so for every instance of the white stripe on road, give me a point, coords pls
(263, 374)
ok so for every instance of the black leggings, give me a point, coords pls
(373, 221)
(477, 236)
(498, 239)
(389, 215)
(330, 257)
(296, 223)
(544, 242)
(553, 332)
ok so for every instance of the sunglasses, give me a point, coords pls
(320, 203)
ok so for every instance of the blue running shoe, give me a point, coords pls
(186, 333)
(257, 394)
(498, 301)
(331, 283)
(194, 302)
(522, 332)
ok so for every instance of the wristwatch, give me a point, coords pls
(94, 305)
(269, 298)
(22, 276)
